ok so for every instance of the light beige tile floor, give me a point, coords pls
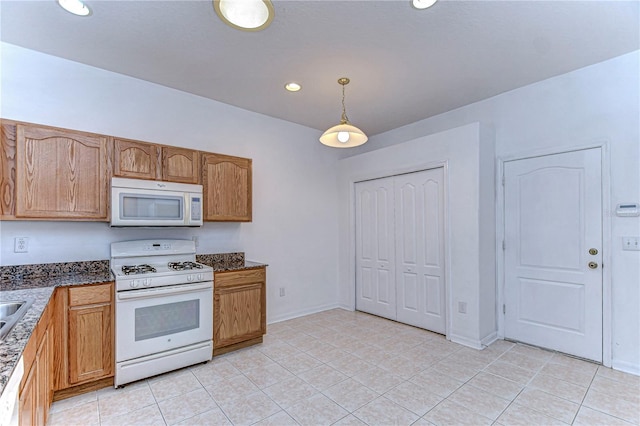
(349, 368)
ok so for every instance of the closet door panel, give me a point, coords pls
(420, 248)
(375, 257)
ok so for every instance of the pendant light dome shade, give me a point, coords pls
(343, 135)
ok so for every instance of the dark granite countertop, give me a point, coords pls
(247, 264)
(37, 282)
(228, 262)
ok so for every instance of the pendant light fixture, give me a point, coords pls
(77, 7)
(422, 4)
(245, 15)
(344, 135)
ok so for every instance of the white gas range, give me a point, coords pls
(164, 308)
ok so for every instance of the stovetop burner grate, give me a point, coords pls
(137, 269)
(181, 266)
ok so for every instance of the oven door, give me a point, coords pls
(154, 320)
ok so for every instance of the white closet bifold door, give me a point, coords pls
(400, 248)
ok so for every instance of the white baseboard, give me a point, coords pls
(490, 339)
(465, 341)
(302, 312)
(346, 307)
(626, 367)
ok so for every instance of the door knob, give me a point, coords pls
(593, 251)
(593, 265)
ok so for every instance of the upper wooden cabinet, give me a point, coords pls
(227, 188)
(140, 160)
(133, 159)
(7, 171)
(48, 173)
(180, 165)
(61, 174)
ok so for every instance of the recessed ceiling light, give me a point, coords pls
(292, 87)
(423, 4)
(76, 7)
(245, 15)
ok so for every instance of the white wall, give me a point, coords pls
(599, 103)
(469, 183)
(294, 228)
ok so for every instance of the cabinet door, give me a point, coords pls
(7, 170)
(43, 378)
(61, 174)
(28, 399)
(227, 188)
(133, 159)
(239, 307)
(180, 165)
(90, 342)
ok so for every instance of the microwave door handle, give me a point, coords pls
(163, 291)
(187, 209)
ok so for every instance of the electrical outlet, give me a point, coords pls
(631, 243)
(281, 291)
(462, 307)
(21, 244)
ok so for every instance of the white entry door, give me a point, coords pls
(375, 260)
(420, 249)
(553, 252)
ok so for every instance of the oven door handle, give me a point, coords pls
(163, 291)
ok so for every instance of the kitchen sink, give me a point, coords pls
(10, 314)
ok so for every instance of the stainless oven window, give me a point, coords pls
(135, 206)
(166, 319)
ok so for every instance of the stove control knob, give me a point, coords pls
(146, 282)
(200, 277)
(134, 283)
(189, 278)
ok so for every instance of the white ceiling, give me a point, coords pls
(404, 64)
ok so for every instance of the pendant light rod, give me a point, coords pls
(343, 81)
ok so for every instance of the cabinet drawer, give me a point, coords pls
(232, 278)
(90, 295)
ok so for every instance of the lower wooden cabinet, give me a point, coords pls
(27, 401)
(44, 370)
(91, 327)
(84, 358)
(36, 390)
(239, 309)
(70, 350)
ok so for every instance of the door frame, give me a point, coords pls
(606, 234)
(447, 234)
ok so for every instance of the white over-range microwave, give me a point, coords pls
(137, 202)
